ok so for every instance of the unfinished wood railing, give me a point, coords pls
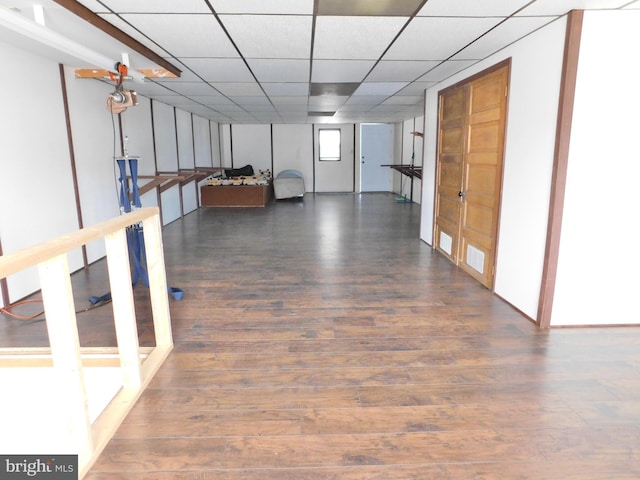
(72, 365)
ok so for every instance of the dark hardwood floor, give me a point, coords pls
(322, 340)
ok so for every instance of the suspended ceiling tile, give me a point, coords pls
(427, 38)
(504, 34)
(219, 69)
(157, 6)
(214, 100)
(446, 69)
(553, 7)
(239, 89)
(288, 89)
(340, 70)
(270, 36)
(279, 70)
(192, 36)
(363, 38)
(94, 5)
(379, 88)
(285, 101)
(190, 88)
(403, 100)
(253, 101)
(379, 8)
(271, 7)
(471, 8)
(634, 5)
(366, 99)
(416, 88)
(132, 32)
(404, 70)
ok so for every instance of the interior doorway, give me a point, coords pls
(471, 132)
(376, 149)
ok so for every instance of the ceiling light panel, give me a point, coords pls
(379, 8)
(363, 38)
(219, 69)
(553, 7)
(279, 70)
(340, 70)
(427, 38)
(271, 7)
(270, 36)
(157, 6)
(504, 34)
(405, 70)
(471, 8)
(189, 35)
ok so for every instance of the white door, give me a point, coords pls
(376, 149)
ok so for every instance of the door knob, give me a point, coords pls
(461, 193)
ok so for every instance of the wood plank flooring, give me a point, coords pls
(322, 340)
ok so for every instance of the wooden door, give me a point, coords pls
(470, 157)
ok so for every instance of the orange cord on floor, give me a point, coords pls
(7, 310)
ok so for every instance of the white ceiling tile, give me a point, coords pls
(333, 71)
(279, 70)
(272, 7)
(219, 69)
(239, 89)
(404, 70)
(634, 5)
(189, 88)
(427, 38)
(157, 6)
(379, 88)
(446, 69)
(554, 7)
(416, 88)
(366, 99)
(403, 100)
(284, 101)
(270, 36)
(131, 31)
(191, 36)
(471, 8)
(504, 34)
(363, 38)
(253, 101)
(288, 89)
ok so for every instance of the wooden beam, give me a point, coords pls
(101, 73)
(98, 22)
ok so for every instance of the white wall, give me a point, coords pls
(531, 126)
(293, 149)
(251, 146)
(336, 176)
(597, 279)
(37, 199)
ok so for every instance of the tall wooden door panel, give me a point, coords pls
(450, 155)
(474, 230)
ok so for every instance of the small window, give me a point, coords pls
(329, 140)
